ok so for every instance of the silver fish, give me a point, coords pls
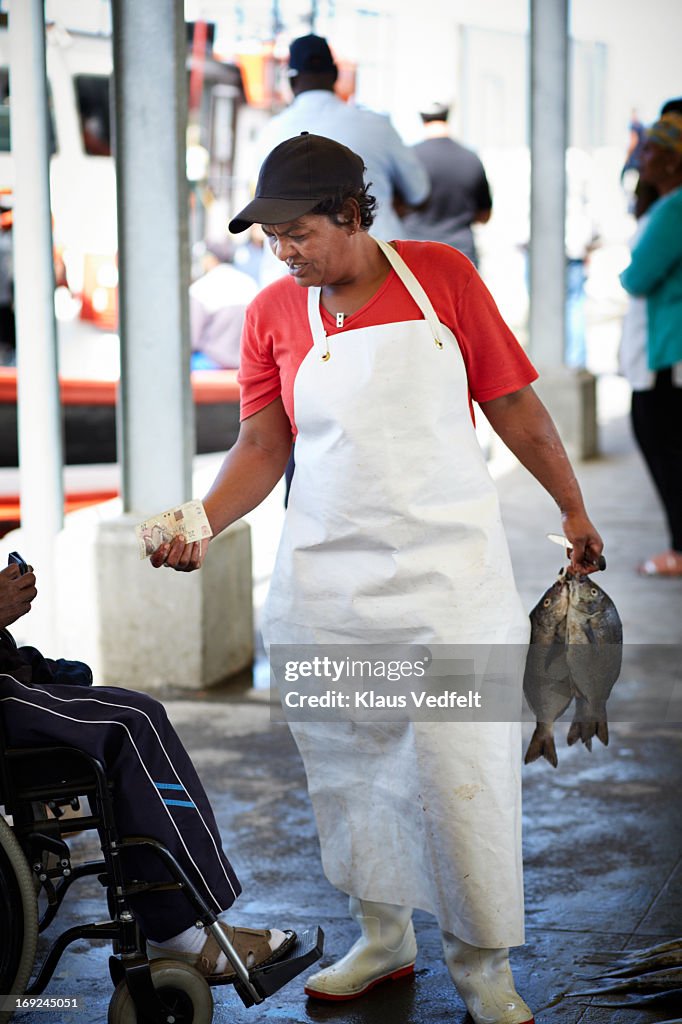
(546, 682)
(594, 653)
(575, 653)
(628, 969)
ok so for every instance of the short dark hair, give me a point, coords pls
(331, 206)
(673, 106)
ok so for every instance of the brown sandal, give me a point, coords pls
(251, 945)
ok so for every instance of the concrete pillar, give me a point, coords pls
(152, 629)
(548, 127)
(39, 414)
(569, 395)
(147, 628)
(156, 433)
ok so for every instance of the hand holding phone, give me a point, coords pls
(14, 558)
(16, 594)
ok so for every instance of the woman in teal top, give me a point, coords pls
(655, 272)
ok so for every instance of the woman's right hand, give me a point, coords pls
(180, 556)
(249, 471)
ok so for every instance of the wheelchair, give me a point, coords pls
(36, 872)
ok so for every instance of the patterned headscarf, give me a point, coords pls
(667, 132)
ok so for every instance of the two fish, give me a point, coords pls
(575, 653)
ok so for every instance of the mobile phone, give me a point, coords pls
(14, 558)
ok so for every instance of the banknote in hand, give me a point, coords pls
(189, 519)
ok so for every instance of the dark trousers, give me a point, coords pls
(157, 791)
(657, 425)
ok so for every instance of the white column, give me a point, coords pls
(39, 416)
(156, 424)
(549, 105)
(569, 394)
(137, 626)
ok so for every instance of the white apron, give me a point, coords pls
(393, 535)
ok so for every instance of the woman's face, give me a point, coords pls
(316, 251)
(658, 163)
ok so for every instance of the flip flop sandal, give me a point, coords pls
(667, 564)
(252, 946)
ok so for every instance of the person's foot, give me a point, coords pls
(385, 951)
(196, 946)
(485, 983)
(668, 563)
(355, 974)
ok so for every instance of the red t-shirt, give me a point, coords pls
(276, 336)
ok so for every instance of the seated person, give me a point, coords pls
(156, 789)
(217, 304)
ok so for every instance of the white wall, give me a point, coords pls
(644, 64)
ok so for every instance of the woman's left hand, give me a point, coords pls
(586, 544)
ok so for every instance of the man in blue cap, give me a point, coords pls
(393, 169)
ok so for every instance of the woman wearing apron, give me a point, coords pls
(370, 357)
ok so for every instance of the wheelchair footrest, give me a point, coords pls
(305, 951)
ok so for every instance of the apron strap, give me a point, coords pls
(316, 326)
(414, 288)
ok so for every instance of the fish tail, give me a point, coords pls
(603, 732)
(585, 729)
(542, 745)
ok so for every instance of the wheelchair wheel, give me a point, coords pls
(19, 914)
(181, 988)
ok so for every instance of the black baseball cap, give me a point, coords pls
(296, 176)
(310, 55)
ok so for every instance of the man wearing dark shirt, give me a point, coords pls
(460, 194)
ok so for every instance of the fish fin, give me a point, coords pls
(581, 728)
(577, 732)
(576, 691)
(603, 732)
(589, 632)
(621, 986)
(573, 733)
(554, 652)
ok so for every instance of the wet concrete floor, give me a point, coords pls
(601, 832)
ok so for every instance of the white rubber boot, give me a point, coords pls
(484, 980)
(385, 951)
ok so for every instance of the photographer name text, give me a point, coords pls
(382, 701)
